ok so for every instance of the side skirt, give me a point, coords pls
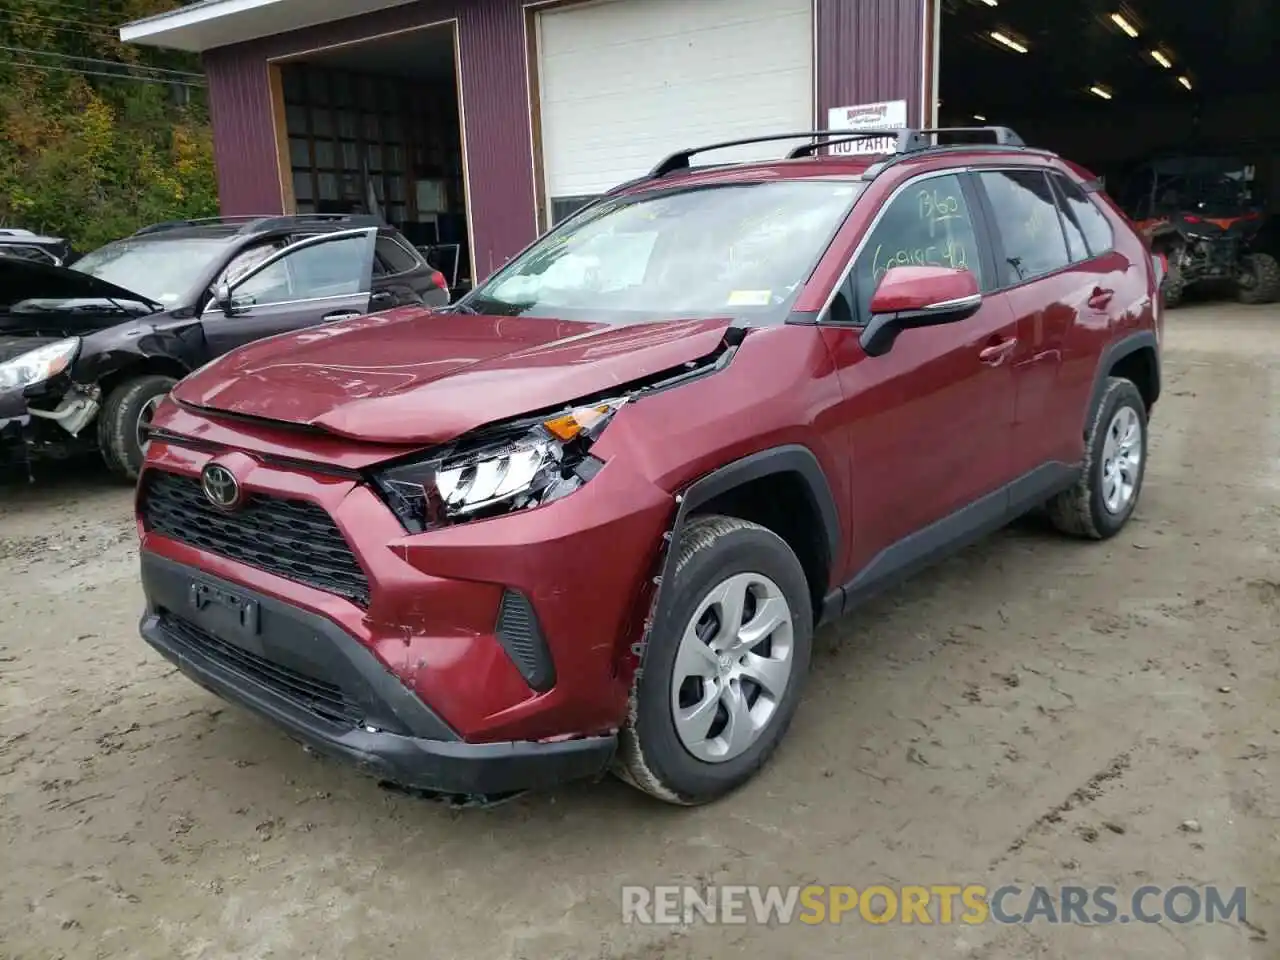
(952, 533)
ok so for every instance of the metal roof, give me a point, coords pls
(216, 23)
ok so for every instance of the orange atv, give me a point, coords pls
(1199, 212)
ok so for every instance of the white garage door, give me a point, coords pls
(624, 82)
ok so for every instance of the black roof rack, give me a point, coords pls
(680, 159)
(908, 141)
(266, 222)
(1003, 135)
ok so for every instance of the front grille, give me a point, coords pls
(293, 539)
(321, 698)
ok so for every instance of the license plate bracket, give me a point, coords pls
(227, 615)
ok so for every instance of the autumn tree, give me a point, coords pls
(97, 137)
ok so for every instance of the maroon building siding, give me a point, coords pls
(866, 50)
(871, 50)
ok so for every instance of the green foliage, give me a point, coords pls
(93, 158)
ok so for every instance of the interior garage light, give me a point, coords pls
(992, 3)
(1119, 20)
(1161, 59)
(1100, 91)
(980, 118)
(1007, 41)
(1185, 81)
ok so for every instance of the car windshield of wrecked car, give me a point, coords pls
(741, 249)
(165, 271)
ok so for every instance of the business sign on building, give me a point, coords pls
(886, 115)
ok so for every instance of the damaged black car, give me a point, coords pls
(88, 352)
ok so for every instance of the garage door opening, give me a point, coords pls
(375, 127)
(1167, 101)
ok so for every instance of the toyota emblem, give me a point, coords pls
(220, 486)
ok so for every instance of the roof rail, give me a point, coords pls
(265, 221)
(347, 219)
(1003, 135)
(1004, 139)
(909, 140)
(194, 222)
(680, 159)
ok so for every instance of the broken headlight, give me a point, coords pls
(499, 471)
(38, 365)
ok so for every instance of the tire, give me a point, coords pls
(1173, 287)
(119, 421)
(715, 553)
(1266, 279)
(1083, 510)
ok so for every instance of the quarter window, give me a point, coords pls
(394, 257)
(928, 224)
(1026, 216)
(1092, 222)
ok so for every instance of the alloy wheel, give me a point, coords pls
(145, 416)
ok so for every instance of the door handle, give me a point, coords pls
(1100, 297)
(341, 315)
(994, 354)
(382, 299)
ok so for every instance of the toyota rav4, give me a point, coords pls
(588, 517)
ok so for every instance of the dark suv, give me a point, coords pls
(87, 352)
(590, 516)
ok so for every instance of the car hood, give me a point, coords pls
(30, 280)
(414, 376)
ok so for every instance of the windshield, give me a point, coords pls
(1223, 184)
(742, 249)
(165, 271)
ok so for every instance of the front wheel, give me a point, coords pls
(1260, 282)
(125, 419)
(1102, 500)
(723, 673)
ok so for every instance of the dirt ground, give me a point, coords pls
(1034, 711)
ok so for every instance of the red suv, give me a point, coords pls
(589, 517)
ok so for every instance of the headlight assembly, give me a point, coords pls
(501, 470)
(38, 365)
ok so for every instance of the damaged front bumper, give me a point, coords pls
(53, 429)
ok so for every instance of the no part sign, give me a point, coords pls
(886, 115)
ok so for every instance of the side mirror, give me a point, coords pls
(222, 296)
(910, 297)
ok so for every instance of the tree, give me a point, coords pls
(97, 137)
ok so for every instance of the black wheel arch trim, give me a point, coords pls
(789, 458)
(1112, 354)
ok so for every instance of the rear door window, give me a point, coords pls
(1027, 222)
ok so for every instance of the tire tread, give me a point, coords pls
(113, 428)
(631, 765)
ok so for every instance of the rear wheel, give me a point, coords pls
(1102, 500)
(124, 420)
(720, 683)
(1260, 280)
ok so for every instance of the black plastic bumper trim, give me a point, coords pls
(520, 634)
(441, 762)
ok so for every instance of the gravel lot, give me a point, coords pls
(1035, 710)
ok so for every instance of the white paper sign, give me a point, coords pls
(887, 115)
